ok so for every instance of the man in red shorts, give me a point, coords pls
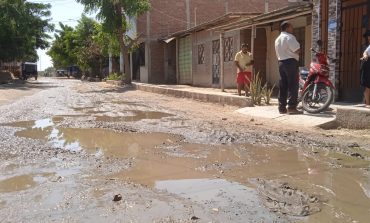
(244, 61)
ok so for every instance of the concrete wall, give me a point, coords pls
(272, 61)
(157, 62)
(202, 73)
(170, 63)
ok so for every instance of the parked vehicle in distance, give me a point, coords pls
(29, 70)
(62, 73)
(74, 71)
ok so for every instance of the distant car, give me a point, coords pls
(29, 70)
(62, 73)
(74, 71)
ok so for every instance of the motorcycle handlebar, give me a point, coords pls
(332, 59)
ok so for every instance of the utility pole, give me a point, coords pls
(187, 2)
(195, 16)
(40, 63)
(254, 35)
(266, 6)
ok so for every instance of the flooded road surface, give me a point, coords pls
(331, 185)
(87, 155)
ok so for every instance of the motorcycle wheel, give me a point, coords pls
(323, 99)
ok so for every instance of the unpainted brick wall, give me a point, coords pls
(169, 16)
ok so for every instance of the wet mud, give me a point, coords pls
(92, 157)
(166, 162)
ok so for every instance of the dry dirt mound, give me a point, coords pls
(6, 76)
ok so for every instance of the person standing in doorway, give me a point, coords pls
(287, 51)
(244, 61)
(365, 70)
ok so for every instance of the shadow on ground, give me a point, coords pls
(27, 85)
(113, 90)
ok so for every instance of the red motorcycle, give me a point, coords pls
(316, 91)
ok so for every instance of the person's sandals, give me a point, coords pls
(294, 111)
(283, 111)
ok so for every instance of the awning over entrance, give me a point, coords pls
(169, 40)
(282, 14)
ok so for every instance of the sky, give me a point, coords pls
(65, 11)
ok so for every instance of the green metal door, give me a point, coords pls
(185, 61)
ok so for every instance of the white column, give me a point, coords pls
(266, 6)
(110, 63)
(222, 55)
(121, 65)
(187, 2)
(254, 34)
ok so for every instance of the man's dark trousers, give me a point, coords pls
(288, 83)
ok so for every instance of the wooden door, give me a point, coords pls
(352, 45)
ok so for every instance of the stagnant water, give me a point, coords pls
(216, 174)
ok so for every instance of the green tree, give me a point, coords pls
(113, 14)
(24, 28)
(64, 47)
(85, 46)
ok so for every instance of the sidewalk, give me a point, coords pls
(305, 120)
(229, 97)
(350, 116)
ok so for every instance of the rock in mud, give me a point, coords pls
(357, 155)
(117, 197)
(353, 145)
(284, 199)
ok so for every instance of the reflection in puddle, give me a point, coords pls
(138, 115)
(92, 140)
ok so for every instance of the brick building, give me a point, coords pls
(155, 61)
(341, 25)
(203, 68)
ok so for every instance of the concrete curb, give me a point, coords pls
(199, 96)
(353, 118)
(115, 83)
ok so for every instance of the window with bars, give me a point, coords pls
(201, 56)
(229, 49)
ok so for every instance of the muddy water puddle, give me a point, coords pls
(17, 183)
(136, 116)
(109, 142)
(104, 115)
(162, 161)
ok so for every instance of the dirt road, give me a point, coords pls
(73, 151)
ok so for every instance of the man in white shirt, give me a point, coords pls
(287, 51)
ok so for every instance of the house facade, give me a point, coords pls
(212, 64)
(341, 25)
(156, 60)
